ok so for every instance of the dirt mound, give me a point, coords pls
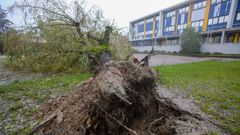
(121, 99)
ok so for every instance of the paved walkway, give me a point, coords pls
(174, 59)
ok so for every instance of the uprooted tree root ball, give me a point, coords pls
(121, 99)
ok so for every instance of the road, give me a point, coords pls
(175, 59)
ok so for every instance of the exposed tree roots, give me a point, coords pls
(121, 99)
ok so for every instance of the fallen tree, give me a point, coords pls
(121, 99)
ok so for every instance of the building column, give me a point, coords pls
(154, 23)
(176, 22)
(161, 23)
(205, 22)
(232, 13)
(191, 5)
(222, 37)
(236, 38)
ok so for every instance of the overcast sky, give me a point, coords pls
(123, 11)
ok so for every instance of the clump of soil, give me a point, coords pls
(121, 99)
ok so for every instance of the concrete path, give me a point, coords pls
(174, 59)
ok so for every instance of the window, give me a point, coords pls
(221, 19)
(180, 11)
(183, 10)
(215, 20)
(201, 23)
(182, 18)
(181, 27)
(195, 7)
(187, 9)
(193, 24)
(197, 24)
(199, 5)
(238, 17)
(204, 4)
(226, 18)
(173, 21)
(210, 21)
(173, 13)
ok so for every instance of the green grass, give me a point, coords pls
(22, 98)
(214, 85)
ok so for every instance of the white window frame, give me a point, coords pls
(238, 17)
(195, 6)
(193, 24)
(201, 23)
(221, 19)
(180, 11)
(198, 24)
(226, 18)
(215, 20)
(204, 3)
(210, 21)
(199, 5)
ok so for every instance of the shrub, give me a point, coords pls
(163, 52)
(145, 51)
(190, 42)
(62, 51)
(217, 53)
(207, 53)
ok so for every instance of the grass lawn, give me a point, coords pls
(214, 85)
(19, 100)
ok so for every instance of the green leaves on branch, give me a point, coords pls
(60, 52)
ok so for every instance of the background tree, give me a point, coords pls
(4, 25)
(190, 41)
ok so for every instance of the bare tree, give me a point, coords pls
(85, 20)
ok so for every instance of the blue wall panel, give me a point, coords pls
(179, 19)
(141, 28)
(211, 12)
(216, 26)
(149, 26)
(223, 10)
(236, 22)
(157, 25)
(169, 21)
(229, 2)
(148, 35)
(186, 18)
(170, 33)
